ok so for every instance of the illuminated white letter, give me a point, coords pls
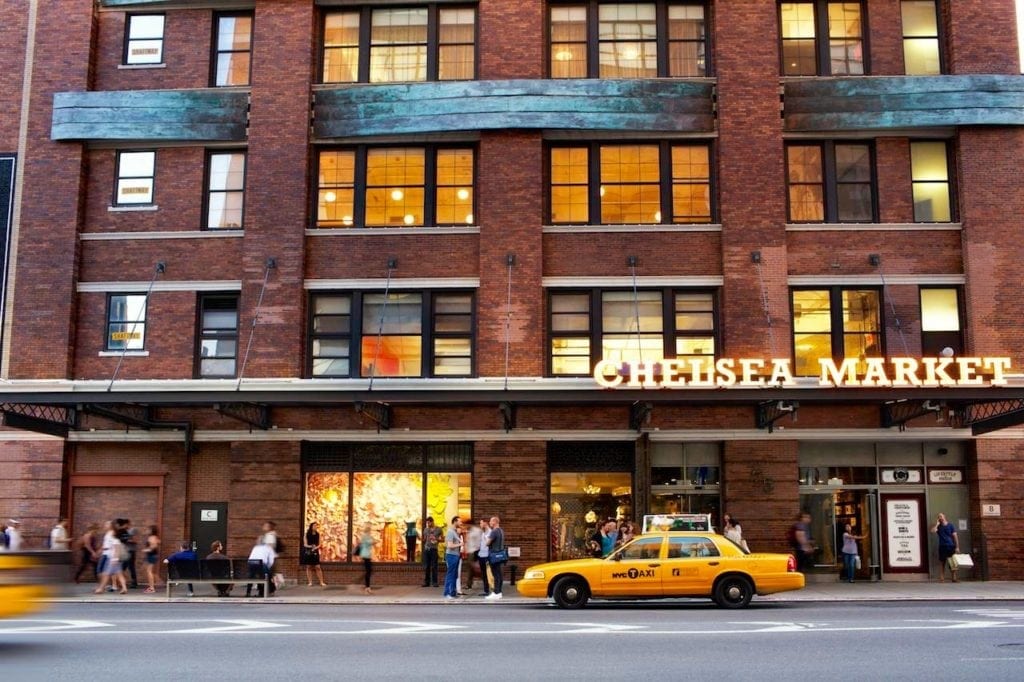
(642, 375)
(935, 372)
(997, 366)
(781, 373)
(968, 371)
(726, 374)
(905, 372)
(606, 374)
(749, 366)
(834, 376)
(875, 374)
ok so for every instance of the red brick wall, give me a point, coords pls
(885, 35)
(982, 36)
(658, 253)
(895, 191)
(31, 492)
(187, 44)
(14, 34)
(510, 480)
(761, 490)
(997, 477)
(509, 39)
(432, 255)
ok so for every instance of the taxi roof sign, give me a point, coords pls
(666, 522)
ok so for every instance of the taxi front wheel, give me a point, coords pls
(733, 592)
(571, 592)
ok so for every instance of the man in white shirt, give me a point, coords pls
(261, 563)
(13, 535)
(59, 539)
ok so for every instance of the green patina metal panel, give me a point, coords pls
(887, 102)
(654, 105)
(199, 115)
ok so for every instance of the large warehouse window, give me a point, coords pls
(822, 38)
(835, 323)
(831, 182)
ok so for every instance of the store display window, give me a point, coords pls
(580, 501)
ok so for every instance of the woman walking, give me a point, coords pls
(310, 557)
(113, 554)
(151, 554)
(89, 554)
(365, 552)
(850, 551)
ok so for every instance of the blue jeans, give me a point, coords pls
(430, 566)
(451, 575)
(849, 565)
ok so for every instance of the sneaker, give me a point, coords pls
(492, 596)
(189, 594)
(448, 597)
(496, 595)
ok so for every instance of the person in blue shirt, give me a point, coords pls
(949, 544)
(184, 553)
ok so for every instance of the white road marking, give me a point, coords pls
(54, 626)
(600, 627)
(235, 626)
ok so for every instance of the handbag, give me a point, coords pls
(498, 556)
(962, 561)
(856, 561)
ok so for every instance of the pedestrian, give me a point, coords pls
(310, 557)
(114, 554)
(732, 530)
(364, 550)
(269, 537)
(603, 542)
(850, 554)
(89, 554)
(59, 539)
(497, 555)
(471, 559)
(411, 535)
(4, 540)
(184, 553)
(220, 570)
(453, 545)
(801, 541)
(151, 555)
(949, 544)
(431, 538)
(14, 539)
(627, 531)
(261, 564)
(482, 554)
(126, 534)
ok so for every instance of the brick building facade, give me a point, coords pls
(356, 262)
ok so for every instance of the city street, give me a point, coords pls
(247, 641)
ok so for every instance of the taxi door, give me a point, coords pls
(634, 570)
(691, 566)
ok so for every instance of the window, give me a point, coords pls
(835, 324)
(587, 326)
(831, 182)
(940, 322)
(232, 48)
(396, 187)
(921, 43)
(135, 173)
(144, 39)
(804, 51)
(929, 171)
(126, 322)
(389, 488)
(407, 334)
(218, 335)
(387, 45)
(628, 40)
(628, 184)
(686, 478)
(225, 187)
(689, 548)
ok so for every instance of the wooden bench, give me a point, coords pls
(217, 572)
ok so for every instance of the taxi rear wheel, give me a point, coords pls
(733, 592)
(571, 592)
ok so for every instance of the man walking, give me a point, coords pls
(431, 536)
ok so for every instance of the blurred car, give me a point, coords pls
(24, 583)
(665, 564)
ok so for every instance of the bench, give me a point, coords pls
(218, 572)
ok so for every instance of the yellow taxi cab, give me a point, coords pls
(21, 588)
(662, 564)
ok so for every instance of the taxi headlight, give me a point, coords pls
(533, 575)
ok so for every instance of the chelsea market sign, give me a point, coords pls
(754, 372)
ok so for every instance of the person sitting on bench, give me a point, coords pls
(184, 553)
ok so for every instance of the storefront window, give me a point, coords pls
(345, 502)
(579, 501)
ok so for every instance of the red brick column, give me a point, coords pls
(510, 480)
(751, 178)
(761, 490)
(997, 477)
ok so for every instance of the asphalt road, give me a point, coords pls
(683, 640)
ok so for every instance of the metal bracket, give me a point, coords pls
(989, 416)
(254, 414)
(771, 411)
(899, 412)
(508, 415)
(140, 416)
(379, 413)
(640, 415)
(53, 420)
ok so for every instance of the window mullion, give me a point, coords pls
(433, 42)
(821, 44)
(838, 328)
(359, 188)
(668, 322)
(666, 183)
(366, 16)
(355, 329)
(831, 194)
(593, 33)
(596, 331)
(594, 183)
(430, 185)
(661, 40)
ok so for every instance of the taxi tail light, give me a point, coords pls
(790, 564)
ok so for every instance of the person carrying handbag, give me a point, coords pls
(497, 555)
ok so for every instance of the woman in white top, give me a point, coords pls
(734, 531)
(112, 556)
(59, 539)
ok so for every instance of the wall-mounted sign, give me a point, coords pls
(208, 515)
(753, 372)
(991, 510)
(945, 476)
(125, 336)
(903, 523)
(901, 475)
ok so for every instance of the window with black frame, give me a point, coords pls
(835, 324)
(429, 42)
(822, 38)
(225, 189)
(659, 39)
(136, 178)
(831, 182)
(126, 322)
(941, 326)
(622, 326)
(232, 49)
(396, 187)
(630, 184)
(217, 346)
(922, 38)
(398, 334)
(929, 171)
(144, 39)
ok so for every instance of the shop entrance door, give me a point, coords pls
(209, 523)
(859, 509)
(903, 533)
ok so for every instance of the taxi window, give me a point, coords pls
(643, 548)
(684, 548)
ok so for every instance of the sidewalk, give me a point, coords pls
(399, 594)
